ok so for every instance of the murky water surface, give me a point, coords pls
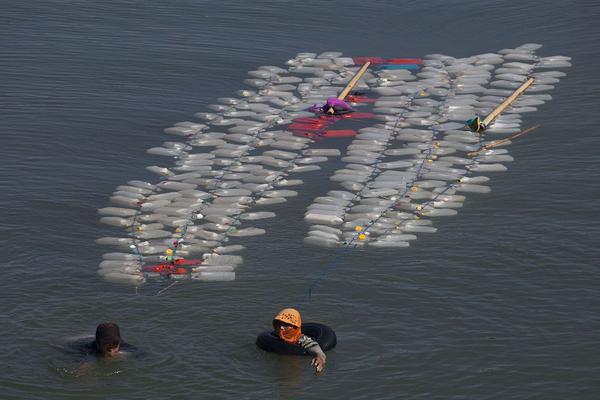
(501, 303)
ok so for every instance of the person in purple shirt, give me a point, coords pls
(333, 106)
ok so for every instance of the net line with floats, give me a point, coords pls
(402, 171)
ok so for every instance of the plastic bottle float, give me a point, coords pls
(413, 160)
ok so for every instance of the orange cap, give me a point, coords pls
(292, 317)
(289, 316)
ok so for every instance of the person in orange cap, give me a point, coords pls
(287, 325)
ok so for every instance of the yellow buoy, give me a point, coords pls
(362, 236)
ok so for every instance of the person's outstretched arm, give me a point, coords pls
(313, 348)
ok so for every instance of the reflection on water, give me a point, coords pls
(76, 359)
(90, 372)
(290, 374)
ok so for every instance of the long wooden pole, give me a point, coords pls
(499, 142)
(507, 102)
(354, 80)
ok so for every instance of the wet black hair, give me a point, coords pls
(108, 336)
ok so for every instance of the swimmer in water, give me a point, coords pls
(108, 340)
(287, 324)
(333, 106)
(107, 346)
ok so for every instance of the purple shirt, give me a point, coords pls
(338, 104)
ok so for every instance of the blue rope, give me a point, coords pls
(183, 231)
(218, 181)
(341, 253)
(346, 250)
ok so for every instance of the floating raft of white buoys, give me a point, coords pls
(426, 159)
(414, 161)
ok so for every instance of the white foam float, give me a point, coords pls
(406, 163)
(440, 202)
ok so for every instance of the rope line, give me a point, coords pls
(349, 246)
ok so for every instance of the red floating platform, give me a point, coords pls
(177, 267)
(381, 60)
(339, 133)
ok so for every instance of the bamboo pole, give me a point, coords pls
(354, 80)
(499, 142)
(492, 116)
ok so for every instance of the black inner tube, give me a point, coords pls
(323, 334)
